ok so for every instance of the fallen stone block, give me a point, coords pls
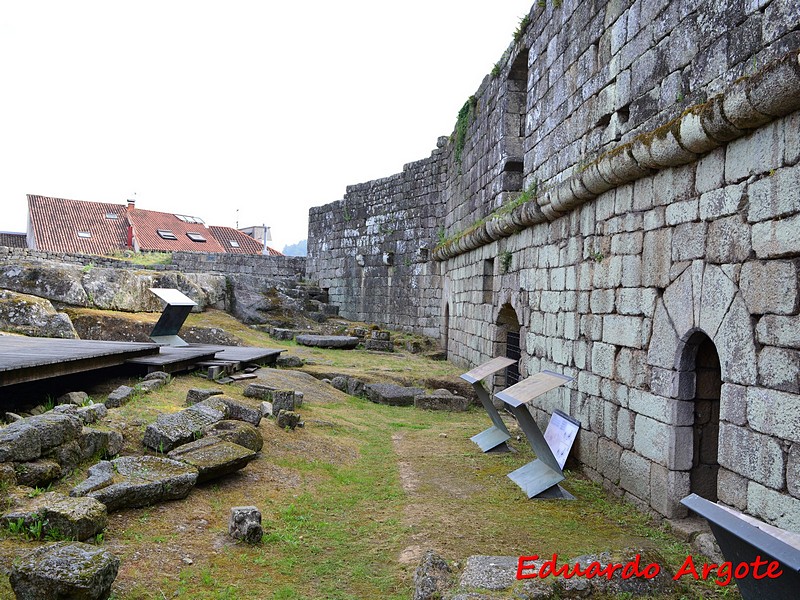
(160, 375)
(100, 442)
(392, 394)
(245, 524)
(258, 390)
(213, 457)
(92, 413)
(195, 395)
(132, 481)
(441, 400)
(289, 362)
(8, 476)
(57, 428)
(241, 411)
(340, 383)
(432, 577)
(238, 432)
(282, 334)
(76, 398)
(150, 385)
(20, 442)
(283, 400)
(120, 396)
(65, 570)
(379, 345)
(172, 430)
(288, 418)
(266, 409)
(37, 473)
(67, 455)
(343, 342)
(71, 518)
(383, 336)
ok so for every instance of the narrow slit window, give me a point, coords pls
(166, 234)
(195, 237)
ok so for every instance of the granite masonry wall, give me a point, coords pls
(622, 193)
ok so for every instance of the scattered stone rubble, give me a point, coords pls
(379, 341)
(245, 524)
(64, 570)
(59, 515)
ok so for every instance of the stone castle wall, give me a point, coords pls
(653, 255)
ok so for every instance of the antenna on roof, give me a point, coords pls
(237, 218)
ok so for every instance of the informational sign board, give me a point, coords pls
(487, 368)
(560, 435)
(532, 387)
(493, 439)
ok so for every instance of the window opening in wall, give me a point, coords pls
(509, 344)
(488, 280)
(701, 356)
(514, 104)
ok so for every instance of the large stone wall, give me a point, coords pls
(654, 255)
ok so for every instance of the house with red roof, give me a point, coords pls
(79, 226)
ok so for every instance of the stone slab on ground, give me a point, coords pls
(64, 570)
(132, 481)
(72, 518)
(258, 390)
(213, 457)
(441, 400)
(174, 429)
(238, 432)
(242, 411)
(392, 394)
(343, 342)
(37, 473)
(195, 395)
(379, 345)
(120, 396)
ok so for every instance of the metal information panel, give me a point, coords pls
(539, 478)
(560, 435)
(492, 439)
(173, 316)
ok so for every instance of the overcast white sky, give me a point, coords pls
(209, 108)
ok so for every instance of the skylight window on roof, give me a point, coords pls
(233, 243)
(111, 215)
(188, 219)
(85, 234)
(195, 237)
(166, 234)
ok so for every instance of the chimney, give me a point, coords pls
(131, 204)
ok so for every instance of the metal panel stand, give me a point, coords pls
(539, 478)
(172, 318)
(493, 439)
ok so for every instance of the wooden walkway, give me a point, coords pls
(25, 359)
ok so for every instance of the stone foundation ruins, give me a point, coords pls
(619, 203)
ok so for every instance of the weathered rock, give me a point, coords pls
(33, 316)
(283, 334)
(266, 409)
(64, 570)
(132, 481)
(392, 394)
(8, 476)
(160, 375)
(288, 418)
(37, 473)
(283, 400)
(245, 524)
(343, 342)
(121, 395)
(241, 411)
(213, 457)
(76, 398)
(289, 362)
(195, 395)
(379, 345)
(238, 432)
(172, 430)
(150, 385)
(441, 400)
(340, 383)
(71, 518)
(432, 577)
(92, 413)
(57, 428)
(20, 442)
(259, 390)
(11, 417)
(100, 442)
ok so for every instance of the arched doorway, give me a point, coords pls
(700, 355)
(508, 344)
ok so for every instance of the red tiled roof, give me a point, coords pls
(146, 224)
(247, 244)
(57, 221)
(12, 239)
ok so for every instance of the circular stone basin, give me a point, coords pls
(344, 342)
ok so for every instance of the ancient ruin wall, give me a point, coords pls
(371, 250)
(654, 255)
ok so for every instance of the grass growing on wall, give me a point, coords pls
(465, 118)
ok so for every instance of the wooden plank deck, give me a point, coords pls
(25, 359)
(173, 359)
(248, 354)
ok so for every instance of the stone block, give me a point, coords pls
(710, 173)
(667, 488)
(120, 396)
(665, 444)
(441, 400)
(602, 301)
(38, 473)
(688, 242)
(65, 570)
(736, 346)
(657, 258)
(328, 341)
(72, 518)
(722, 202)
(776, 195)
(781, 331)
(682, 212)
(770, 287)
(283, 400)
(779, 369)
(392, 394)
(379, 345)
(773, 507)
(631, 367)
(793, 471)
(245, 524)
(288, 419)
(20, 442)
(718, 292)
(733, 404)
(754, 154)
(213, 457)
(242, 411)
(92, 413)
(672, 384)
(774, 413)
(608, 458)
(195, 395)
(623, 330)
(102, 442)
(238, 432)
(603, 356)
(732, 488)
(751, 454)
(586, 447)
(665, 410)
(777, 238)
(634, 475)
(625, 428)
(728, 240)
(56, 429)
(76, 398)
